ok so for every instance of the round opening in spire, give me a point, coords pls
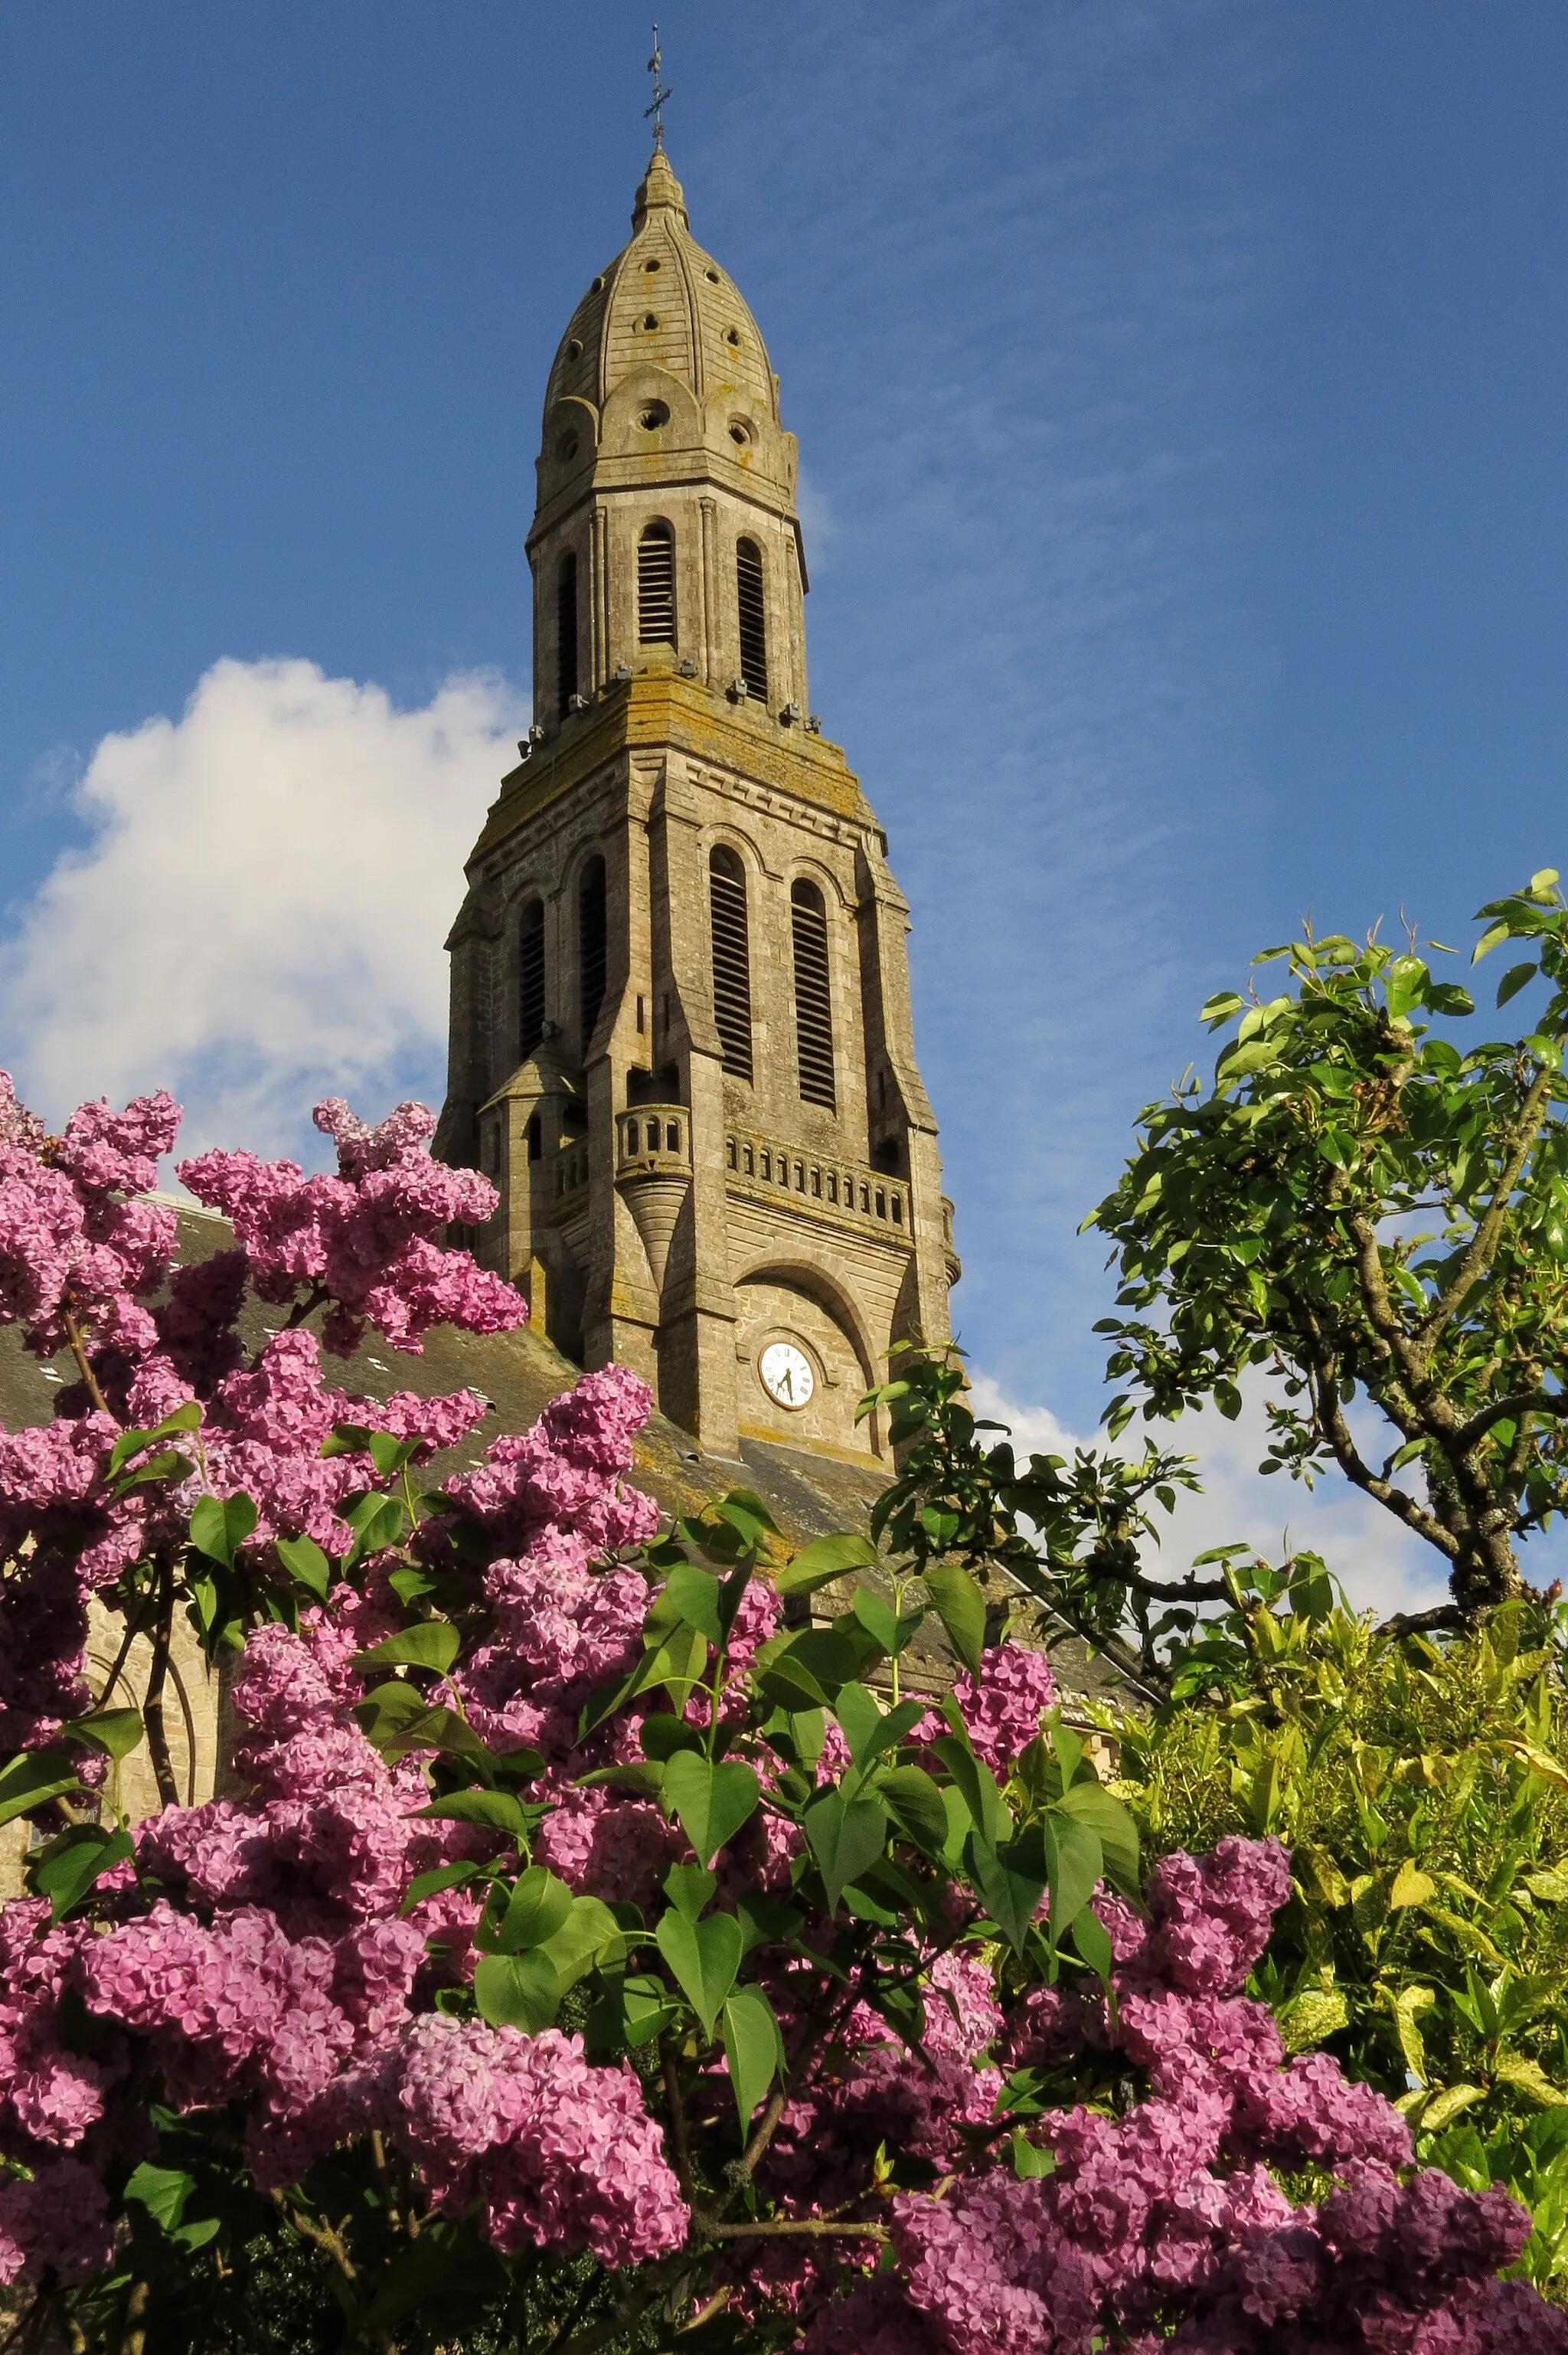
(654, 415)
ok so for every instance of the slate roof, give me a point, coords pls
(808, 1495)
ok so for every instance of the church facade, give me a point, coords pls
(682, 1044)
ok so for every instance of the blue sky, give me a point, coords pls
(1181, 393)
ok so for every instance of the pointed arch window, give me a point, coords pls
(814, 996)
(565, 634)
(592, 946)
(751, 600)
(732, 959)
(531, 976)
(656, 586)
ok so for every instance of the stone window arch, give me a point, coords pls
(656, 585)
(752, 601)
(731, 943)
(565, 634)
(530, 976)
(813, 996)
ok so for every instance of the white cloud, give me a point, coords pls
(818, 519)
(1381, 1567)
(256, 918)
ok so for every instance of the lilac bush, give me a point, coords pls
(588, 1953)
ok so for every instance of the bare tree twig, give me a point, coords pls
(79, 1352)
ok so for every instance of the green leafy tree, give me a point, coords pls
(1368, 1211)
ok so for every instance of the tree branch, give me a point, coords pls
(1385, 1319)
(1415, 1622)
(820, 2227)
(1508, 1410)
(153, 1701)
(133, 2330)
(716, 2304)
(1331, 1420)
(1482, 1247)
(133, 1626)
(668, 2063)
(318, 1295)
(739, 2172)
(79, 1352)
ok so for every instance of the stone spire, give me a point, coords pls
(682, 1038)
(659, 191)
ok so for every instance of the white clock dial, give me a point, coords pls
(787, 1373)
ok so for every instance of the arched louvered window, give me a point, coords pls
(732, 960)
(565, 634)
(592, 946)
(814, 996)
(753, 605)
(656, 586)
(531, 975)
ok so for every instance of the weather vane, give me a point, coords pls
(660, 93)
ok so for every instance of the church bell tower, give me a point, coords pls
(681, 1035)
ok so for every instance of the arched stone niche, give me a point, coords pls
(785, 1305)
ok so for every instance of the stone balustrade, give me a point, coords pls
(851, 1192)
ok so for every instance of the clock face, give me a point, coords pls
(787, 1373)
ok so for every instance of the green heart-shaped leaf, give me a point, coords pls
(703, 1957)
(961, 1607)
(497, 1810)
(433, 1644)
(689, 1888)
(66, 1869)
(1075, 1861)
(118, 1731)
(304, 1559)
(162, 2190)
(539, 1904)
(693, 1592)
(977, 1784)
(590, 1935)
(378, 1522)
(825, 1558)
(518, 1990)
(709, 1802)
(33, 1777)
(846, 1836)
(1012, 1882)
(220, 1525)
(917, 1806)
(1112, 1826)
(752, 2048)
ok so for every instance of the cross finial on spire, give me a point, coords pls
(655, 64)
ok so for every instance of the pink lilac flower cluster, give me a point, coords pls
(86, 1264)
(370, 1238)
(1001, 1707)
(1166, 2223)
(280, 1968)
